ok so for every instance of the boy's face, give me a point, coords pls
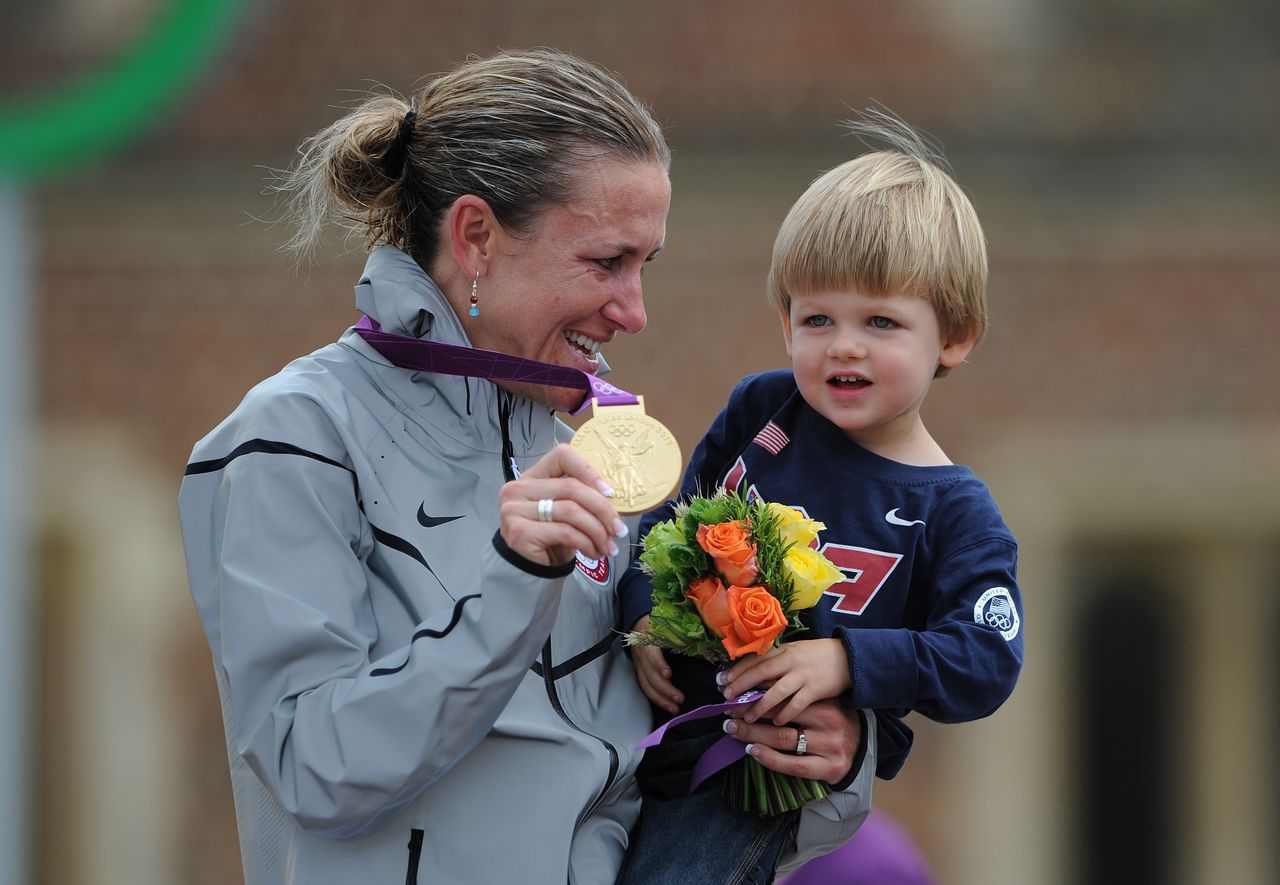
(865, 363)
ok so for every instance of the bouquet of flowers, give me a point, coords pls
(730, 576)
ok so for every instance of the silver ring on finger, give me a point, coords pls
(802, 742)
(544, 509)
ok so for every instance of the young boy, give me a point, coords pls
(879, 274)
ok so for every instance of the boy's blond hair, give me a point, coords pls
(887, 222)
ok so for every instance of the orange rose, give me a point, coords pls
(709, 597)
(729, 548)
(756, 619)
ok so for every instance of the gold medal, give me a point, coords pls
(633, 452)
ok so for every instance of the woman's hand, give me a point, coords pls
(832, 736)
(653, 674)
(804, 671)
(580, 517)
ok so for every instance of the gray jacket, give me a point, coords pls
(400, 694)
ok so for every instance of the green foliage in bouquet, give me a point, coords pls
(674, 560)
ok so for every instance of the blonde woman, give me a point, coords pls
(405, 579)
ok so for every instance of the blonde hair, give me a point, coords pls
(510, 129)
(887, 222)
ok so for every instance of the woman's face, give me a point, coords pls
(563, 291)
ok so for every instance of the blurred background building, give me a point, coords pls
(1125, 407)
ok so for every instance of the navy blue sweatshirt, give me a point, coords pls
(930, 612)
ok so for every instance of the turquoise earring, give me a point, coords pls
(475, 307)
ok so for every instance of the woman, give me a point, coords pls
(405, 582)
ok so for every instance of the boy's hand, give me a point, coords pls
(653, 673)
(801, 673)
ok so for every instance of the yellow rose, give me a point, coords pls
(811, 574)
(794, 525)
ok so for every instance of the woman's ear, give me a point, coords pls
(469, 231)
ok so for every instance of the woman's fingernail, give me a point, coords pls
(752, 751)
(722, 678)
(620, 529)
(731, 726)
(613, 549)
(605, 488)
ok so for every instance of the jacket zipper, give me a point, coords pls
(511, 471)
(415, 855)
(549, 681)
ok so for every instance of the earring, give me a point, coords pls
(475, 308)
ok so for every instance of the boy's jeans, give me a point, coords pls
(698, 839)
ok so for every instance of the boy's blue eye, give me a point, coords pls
(880, 322)
(818, 320)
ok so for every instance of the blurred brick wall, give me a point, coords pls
(1134, 269)
(1101, 255)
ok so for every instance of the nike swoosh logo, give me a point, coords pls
(893, 518)
(430, 522)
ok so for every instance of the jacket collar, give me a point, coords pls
(395, 291)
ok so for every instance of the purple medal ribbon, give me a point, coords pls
(453, 359)
(722, 753)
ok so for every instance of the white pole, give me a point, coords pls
(16, 623)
